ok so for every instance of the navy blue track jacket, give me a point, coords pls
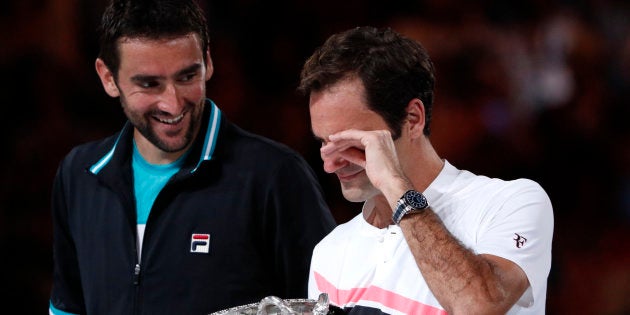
(257, 200)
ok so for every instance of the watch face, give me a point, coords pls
(416, 199)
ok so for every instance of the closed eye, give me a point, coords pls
(321, 141)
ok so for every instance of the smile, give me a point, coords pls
(173, 120)
(347, 177)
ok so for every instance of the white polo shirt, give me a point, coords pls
(373, 271)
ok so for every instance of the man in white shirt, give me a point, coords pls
(431, 239)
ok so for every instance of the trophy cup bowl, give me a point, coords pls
(273, 305)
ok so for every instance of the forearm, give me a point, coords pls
(462, 281)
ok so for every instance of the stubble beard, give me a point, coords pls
(142, 123)
(359, 190)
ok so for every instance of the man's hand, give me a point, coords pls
(376, 153)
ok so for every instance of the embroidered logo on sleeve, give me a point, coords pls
(520, 241)
(200, 243)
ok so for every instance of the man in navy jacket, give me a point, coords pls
(181, 212)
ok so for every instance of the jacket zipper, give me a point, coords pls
(136, 275)
(136, 284)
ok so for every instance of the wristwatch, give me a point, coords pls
(411, 202)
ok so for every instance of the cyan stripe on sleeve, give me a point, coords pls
(52, 310)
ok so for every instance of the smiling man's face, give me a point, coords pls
(161, 84)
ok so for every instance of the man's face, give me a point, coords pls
(161, 84)
(337, 108)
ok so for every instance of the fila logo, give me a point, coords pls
(200, 243)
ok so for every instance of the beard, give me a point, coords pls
(363, 192)
(142, 122)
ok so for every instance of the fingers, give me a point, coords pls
(342, 141)
(354, 156)
(373, 150)
(345, 145)
(350, 134)
(361, 136)
(359, 139)
(333, 147)
(332, 152)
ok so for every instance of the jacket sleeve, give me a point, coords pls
(66, 296)
(301, 220)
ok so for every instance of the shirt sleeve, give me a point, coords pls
(521, 231)
(66, 296)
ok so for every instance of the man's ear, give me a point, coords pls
(415, 118)
(209, 66)
(107, 78)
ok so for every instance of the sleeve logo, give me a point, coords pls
(520, 241)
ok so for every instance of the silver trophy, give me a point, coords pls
(273, 305)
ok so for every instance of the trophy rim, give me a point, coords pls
(254, 306)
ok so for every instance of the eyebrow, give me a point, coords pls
(145, 78)
(192, 68)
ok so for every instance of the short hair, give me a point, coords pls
(394, 70)
(152, 19)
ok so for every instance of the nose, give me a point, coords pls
(170, 101)
(333, 162)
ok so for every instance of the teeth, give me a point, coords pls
(172, 121)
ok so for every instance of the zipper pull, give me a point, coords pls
(136, 274)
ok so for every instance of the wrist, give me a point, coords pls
(394, 189)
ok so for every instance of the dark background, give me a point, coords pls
(535, 89)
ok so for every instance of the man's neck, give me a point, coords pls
(378, 212)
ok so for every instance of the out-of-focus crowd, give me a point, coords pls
(536, 89)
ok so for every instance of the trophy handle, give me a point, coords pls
(321, 307)
(284, 308)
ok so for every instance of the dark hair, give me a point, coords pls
(153, 19)
(393, 69)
